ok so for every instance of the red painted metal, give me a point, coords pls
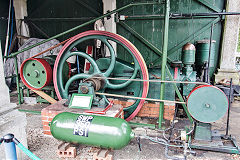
(48, 71)
(87, 65)
(122, 40)
(201, 86)
(103, 111)
(175, 73)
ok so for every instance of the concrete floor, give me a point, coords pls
(45, 147)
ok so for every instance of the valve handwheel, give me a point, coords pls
(62, 90)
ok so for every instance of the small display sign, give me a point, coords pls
(81, 101)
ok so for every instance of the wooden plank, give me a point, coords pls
(45, 96)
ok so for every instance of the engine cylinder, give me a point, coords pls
(202, 54)
(188, 54)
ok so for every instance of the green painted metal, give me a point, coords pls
(179, 95)
(158, 17)
(17, 80)
(82, 25)
(188, 39)
(203, 54)
(64, 89)
(89, 7)
(133, 124)
(207, 104)
(188, 57)
(34, 73)
(209, 5)
(223, 149)
(101, 131)
(143, 40)
(29, 111)
(164, 61)
(181, 30)
(54, 17)
(203, 132)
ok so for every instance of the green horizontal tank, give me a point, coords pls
(202, 54)
(100, 131)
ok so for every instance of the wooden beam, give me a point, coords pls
(45, 96)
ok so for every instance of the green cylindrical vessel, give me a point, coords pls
(188, 54)
(100, 131)
(202, 54)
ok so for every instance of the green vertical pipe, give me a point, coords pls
(179, 95)
(82, 25)
(164, 61)
(17, 80)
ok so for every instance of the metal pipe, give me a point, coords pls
(229, 106)
(81, 25)
(179, 96)
(10, 147)
(17, 80)
(157, 81)
(157, 17)
(164, 61)
(132, 97)
(26, 19)
(203, 14)
(7, 36)
(181, 15)
(144, 125)
(209, 55)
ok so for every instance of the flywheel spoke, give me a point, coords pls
(74, 78)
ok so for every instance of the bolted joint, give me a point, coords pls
(84, 89)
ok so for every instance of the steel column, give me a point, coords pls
(164, 60)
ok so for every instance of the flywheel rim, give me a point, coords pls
(137, 55)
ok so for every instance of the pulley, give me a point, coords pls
(36, 73)
(207, 103)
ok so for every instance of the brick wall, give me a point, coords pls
(48, 114)
(51, 111)
(151, 109)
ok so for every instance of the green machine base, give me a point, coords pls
(211, 140)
